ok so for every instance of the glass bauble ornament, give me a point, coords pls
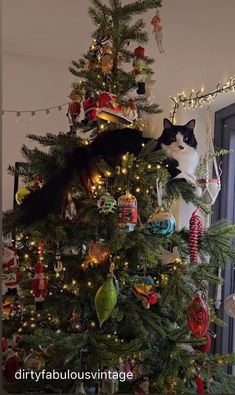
(161, 223)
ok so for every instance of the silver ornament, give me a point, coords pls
(230, 305)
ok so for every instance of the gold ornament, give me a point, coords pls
(97, 254)
(34, 361)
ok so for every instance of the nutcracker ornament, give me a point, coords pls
(10, 268)
(127, 212)
(161, 223)
(157, 30)
(198, 316)
(39, 285)
(145, 291)
(58, 266)
(140, 70)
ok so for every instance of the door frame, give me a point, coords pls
(224, 341)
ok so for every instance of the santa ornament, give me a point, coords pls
(90, 109)
(110, 110)
(39, 285)
(10, 267)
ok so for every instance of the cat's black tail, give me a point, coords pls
(51, 196)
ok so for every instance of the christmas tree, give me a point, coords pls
(98, 277)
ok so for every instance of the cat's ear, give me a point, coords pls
(191, 124)
(167, 124)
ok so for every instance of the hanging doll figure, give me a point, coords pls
(140, 70)
(156, 22)
(39, 285)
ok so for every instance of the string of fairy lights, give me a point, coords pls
(199, 98)
(32, 113)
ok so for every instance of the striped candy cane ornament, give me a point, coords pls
(195, 230)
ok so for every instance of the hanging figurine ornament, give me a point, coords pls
(210, 186)
(143, 387)
(198, 318)
(230, 305)
(140, 70)
(106, 297)
(106, 204)
(74, 107)
(107, 58)
(127, 212)
(70, 210)
(39, 285)
(195, 231)
(58, 266)
(10, 267)
(97, 254)
(145, 291)
(157, 30)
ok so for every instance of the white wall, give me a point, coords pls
(199, 51)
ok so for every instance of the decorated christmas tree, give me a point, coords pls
(97, 276)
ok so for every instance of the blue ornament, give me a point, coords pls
(161, 223)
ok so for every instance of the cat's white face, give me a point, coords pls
(178, 144)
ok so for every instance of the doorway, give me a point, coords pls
(225, 208)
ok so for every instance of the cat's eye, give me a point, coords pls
(173, 139)
(186, 138)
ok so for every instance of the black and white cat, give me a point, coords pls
(180, 143)
(80, 163)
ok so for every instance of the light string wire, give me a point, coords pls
(33, 112)
(199, 99)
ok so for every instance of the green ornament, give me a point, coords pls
(105, 300)
(107, 204)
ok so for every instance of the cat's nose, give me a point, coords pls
(181, 147)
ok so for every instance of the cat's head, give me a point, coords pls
(178, 138)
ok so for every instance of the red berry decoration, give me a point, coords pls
(195, 230)
(198, 319)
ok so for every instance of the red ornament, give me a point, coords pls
(198, 319)
(90, 109)
(11, 366)
(127, 212)
(139, 52)
(205, 348)
(39, 285)
(199, 385)
(4, 344)
(195, 230)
